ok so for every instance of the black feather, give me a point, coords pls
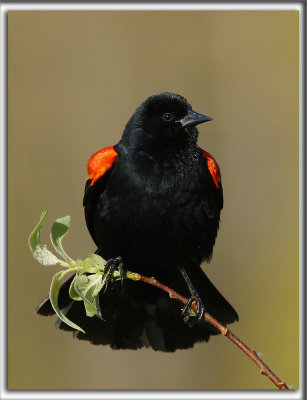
(158, 208)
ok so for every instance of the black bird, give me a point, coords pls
(152, 203)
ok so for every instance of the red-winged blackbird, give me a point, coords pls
(154, 200)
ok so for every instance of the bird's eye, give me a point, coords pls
(168, 116)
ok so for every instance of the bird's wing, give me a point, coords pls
(98, 169)
(215, 173)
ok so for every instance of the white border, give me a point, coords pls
(178, 395)
(155, 6)
(302, 190)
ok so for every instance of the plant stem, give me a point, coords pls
(264, 369)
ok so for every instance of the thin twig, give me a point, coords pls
(264, 369)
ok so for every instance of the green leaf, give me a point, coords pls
(88, 288)
(59, 230)
(90, 310)
(98, 261)
(53, 295)
(79, 263)
(72, 292)
(97, 305)
(40, 251)
(87, 266)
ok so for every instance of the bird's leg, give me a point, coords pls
(111, 265)
(200, 308)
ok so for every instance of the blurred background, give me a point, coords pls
(74, 79)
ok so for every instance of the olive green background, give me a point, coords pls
(74, 79)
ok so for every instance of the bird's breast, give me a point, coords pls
(155, 216)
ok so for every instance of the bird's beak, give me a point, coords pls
(193, 118)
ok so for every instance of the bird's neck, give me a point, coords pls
(162, 155)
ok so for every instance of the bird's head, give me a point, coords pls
(164, 117)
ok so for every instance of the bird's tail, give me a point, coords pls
(144, 316)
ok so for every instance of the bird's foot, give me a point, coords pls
(188, 312)
(112, 265)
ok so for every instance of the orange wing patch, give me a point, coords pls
(213, 168)
(100, 162)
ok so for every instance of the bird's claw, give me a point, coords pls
(200, 311)
(111, 265)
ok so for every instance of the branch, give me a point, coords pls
(264, 369)
(94, 265)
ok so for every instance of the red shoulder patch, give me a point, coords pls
(100, 162)
(213, 168)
